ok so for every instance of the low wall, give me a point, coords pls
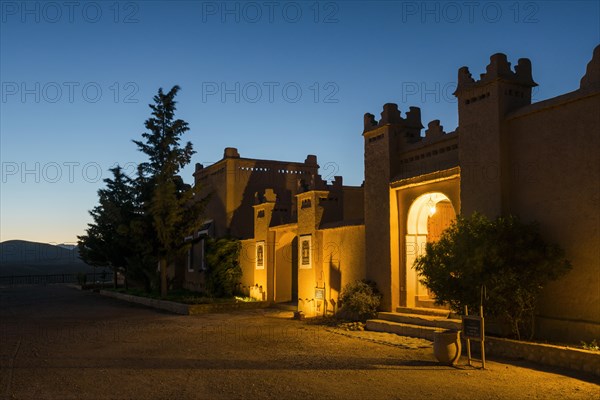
(186, 309)
(546, 354)
(225, 307)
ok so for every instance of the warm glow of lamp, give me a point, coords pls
(431, 206)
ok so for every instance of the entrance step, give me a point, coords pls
(414, 322)
(430, 304)
(434, 321)
(417, 331)
(424, 311)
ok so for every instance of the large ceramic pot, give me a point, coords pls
(447, 347)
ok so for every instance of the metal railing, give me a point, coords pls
(90, 277)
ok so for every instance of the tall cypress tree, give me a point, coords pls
(172, 205)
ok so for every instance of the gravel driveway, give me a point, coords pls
(61, 343)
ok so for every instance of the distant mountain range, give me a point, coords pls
(20, 257)
(67, 246)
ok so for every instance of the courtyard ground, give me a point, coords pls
(60, 343)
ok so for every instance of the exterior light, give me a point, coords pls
(431, 206)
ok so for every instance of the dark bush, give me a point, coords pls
(224, 271)
(359, 301)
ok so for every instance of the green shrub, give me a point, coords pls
(592, 346)
(224, 271)
(359, 301)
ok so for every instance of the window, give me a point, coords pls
(304, 252)
(202, 255)
(190, 259)
(260, 255)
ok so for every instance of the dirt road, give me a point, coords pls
(60, 343)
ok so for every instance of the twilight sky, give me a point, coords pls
(276, 79)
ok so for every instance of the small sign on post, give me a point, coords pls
(319, 293)
(474, 329)
(319, 301)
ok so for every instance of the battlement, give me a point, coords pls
(437, 150)
(498, 69)
(321, 184)
(391, 115)
(433, 133)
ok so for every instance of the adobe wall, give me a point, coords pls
(342, 260)
(338, 258)
(248, 265)
(354, 203)
(556, 146)
(213, 182)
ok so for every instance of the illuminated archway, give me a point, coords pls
(428, 216)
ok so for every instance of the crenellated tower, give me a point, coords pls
(483, 146)
(384, 139)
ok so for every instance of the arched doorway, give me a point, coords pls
(427, 217)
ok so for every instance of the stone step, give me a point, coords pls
(430, 304)
(423, 332)
(421, 320)
(424, 311)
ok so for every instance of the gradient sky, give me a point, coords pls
(77, 79)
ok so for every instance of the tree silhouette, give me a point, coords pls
(173, 206)
(139, 222)
(107, 242)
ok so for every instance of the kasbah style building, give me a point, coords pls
(303, 239)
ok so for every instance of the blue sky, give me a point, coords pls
(277, 80)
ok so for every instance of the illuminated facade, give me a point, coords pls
(536, 160)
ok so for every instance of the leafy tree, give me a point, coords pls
(106, 242)
(173, 206)
(224, 271)
(507, 256)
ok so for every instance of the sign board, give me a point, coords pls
(304, 252)
(319, 293)
(472, 328)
